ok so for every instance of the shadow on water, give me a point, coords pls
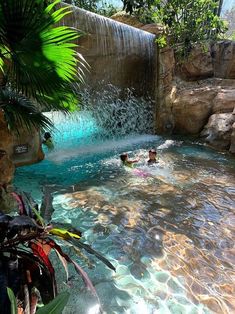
(169, 233)
(157, 225)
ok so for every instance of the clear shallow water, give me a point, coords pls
(168, 229)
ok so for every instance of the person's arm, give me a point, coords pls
(133, 161)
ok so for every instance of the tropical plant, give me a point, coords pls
(107, 9)
(137, 6)
(38, 62)
(186, 21)
(56, 306)
(25, 265)
(190, 21)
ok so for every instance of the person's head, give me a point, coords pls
(2, 153)
(47, 135)
(152, 154)
(123, 157)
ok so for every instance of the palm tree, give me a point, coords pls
(38, 62)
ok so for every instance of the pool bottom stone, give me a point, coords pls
(169, 235)
(139, 285)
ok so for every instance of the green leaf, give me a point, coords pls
(39, 217)
(20, 111)
(1, 64)
(56, 306)
(51, 6)
(40, 60)
(12, 300)
(161, 41)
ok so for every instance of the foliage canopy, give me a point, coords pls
(38, 62)
(186, 21)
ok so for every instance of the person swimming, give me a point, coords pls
(126, 161)
(47, 140)
(152, 157)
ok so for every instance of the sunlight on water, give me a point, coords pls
(168, 229)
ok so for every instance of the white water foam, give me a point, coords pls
(102, 147)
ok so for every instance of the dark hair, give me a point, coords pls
(153, 151)
(2, 152)
(47, 135)
(123, 157)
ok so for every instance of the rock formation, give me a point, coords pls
(7, 168)
(197, 96)
(10, 143)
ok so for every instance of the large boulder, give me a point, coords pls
(128, 19)
(205, 60)
(224, 101)
(198, 65)
(192, 108)
(218, 130)
(223, 54)
(6, 138)
(131, 20)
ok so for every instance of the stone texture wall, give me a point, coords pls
(198, 96)
(8, 143)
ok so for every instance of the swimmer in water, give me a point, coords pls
(152, 157)
(126, 161)
(47, 140)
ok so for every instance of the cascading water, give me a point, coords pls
(117, 53)
(101, 125)
(119, 116)
(115, 101)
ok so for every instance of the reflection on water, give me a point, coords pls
(169, 229)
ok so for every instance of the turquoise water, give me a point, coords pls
(168, 229)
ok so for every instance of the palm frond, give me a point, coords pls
(21, 112)
(43, 60)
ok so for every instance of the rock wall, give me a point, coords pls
(17, 155)
(197, 97)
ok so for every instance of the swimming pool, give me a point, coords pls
(168, 229)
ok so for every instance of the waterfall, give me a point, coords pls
(117, 53)
(116, 99)
(109, 118)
